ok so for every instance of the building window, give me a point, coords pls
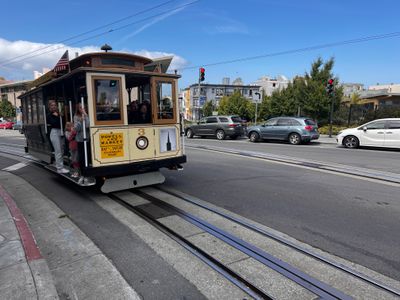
(274, 85)
(250, 92)
(212, 90)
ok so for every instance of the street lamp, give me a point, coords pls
(259, 98)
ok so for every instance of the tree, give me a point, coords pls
(236, 104)
(207, 109)
(307, 94)
(7, 110)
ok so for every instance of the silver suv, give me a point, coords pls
(296, 130)
(218, 126)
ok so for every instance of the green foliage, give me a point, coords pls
(7, 110)
(335, 129)
(307, 94)
(236, 105)
(207, 109)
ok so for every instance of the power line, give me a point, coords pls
(328, 45)
(15, 59)
(87, 32)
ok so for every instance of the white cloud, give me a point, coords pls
(178, 62)
(18, 59)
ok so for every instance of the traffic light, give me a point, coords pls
(202, 74)
(329, 86)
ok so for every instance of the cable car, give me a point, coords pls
(124, 147)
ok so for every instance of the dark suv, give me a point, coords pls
(218, 126)
(293, 129)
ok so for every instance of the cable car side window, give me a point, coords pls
(108, 100)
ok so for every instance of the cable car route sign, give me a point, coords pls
(112, 145)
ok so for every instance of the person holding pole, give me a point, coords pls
(81, 126)
(54, 120)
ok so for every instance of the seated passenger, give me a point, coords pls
(144, 114)
(133, 114)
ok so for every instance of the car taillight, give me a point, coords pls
(308, 128)
(232, 125)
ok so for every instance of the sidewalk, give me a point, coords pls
(325, 139)
(24, 273)
(44, 255)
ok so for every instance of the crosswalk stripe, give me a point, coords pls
(15, 167)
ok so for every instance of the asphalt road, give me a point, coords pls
(354, 219)
(387, 160)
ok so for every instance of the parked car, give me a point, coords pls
(6, 125)
(377, 133)
(293, 129)
(217, 126)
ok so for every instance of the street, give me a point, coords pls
(349, 217)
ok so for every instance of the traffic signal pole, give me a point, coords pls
(330, 90)
(198, 101)
(331, 117)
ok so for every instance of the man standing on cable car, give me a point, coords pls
(55, 121)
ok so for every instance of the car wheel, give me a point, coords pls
(351, 142)
(254, 137)
(294, 139)
(220, 134)
(189, 133)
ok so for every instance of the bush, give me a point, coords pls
(335, 129)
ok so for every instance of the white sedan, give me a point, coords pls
(377, 133)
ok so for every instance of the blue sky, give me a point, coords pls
(211, 31)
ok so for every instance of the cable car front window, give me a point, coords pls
(165, 103)
(108, 99)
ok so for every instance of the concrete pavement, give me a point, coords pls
(71, 272)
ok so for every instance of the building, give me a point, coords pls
(378, 96)
(214, 92)
(269, 84)
(350, 89)
(11, 90)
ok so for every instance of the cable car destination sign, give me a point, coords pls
(112, 145)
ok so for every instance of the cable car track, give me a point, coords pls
(286, 242)
(323, 290)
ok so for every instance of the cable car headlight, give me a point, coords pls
(142, 142)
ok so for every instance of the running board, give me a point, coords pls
(68, 176)
(132, 181)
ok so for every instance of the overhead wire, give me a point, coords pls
(298, 50)
(10, 60)
(103, 33)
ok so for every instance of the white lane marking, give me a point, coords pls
(15, 167)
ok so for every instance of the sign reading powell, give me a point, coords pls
(112, 145)
(167, 139)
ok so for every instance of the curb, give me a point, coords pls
(39, 269)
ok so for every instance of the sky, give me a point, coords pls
(205, 32)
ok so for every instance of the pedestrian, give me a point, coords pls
(81, 123)
(54, 120)
(70, 135)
